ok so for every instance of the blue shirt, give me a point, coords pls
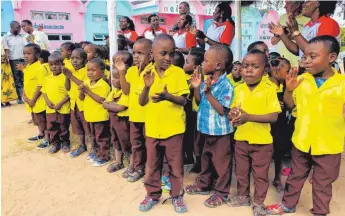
(209, 121)
(319, 81)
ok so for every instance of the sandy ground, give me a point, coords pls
(37, 183)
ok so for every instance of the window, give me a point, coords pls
(99, 37)
(59, 37)
(45, 15)
(99, 18)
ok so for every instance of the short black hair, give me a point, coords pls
(28, 22)
(56, 56)
(140, 37)
(35, 47)
(327, 7)
(224, 53)
(121, 44)
(331, 42)
(14, 23)
(198, 54)
(145, 41)
(163, 37)
(252, 45)
(129, 57)
(259, 52)
(189, 19)
(152, 15)
(99, 62)
(274, 55)
(178, 59)
(69, 46)
(44, 54)
(82, 53)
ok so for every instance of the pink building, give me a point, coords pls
(63, 20)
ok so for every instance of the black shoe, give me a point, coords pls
(20, 101)
(43, 145)
(8, 104)
(35, 138)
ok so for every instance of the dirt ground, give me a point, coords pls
(36, 183)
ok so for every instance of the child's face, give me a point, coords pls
(253, 68)
(30, 56)
(55, 66)
(236, 71)
(283, 71)
(163, 53)
(77, 60)
(65, 53)
(189, 65)
(318, 58)
(263, 48)
(141, 55)
(115, 79)
(209, 64)
(94, 71)
(90, 51)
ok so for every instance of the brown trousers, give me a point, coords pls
(198, 144)
(39, 119)
(256, 158)
(79, 125)
(216, 156)
(120, 133)
(157, 149)
(58, 128)
(100, 134)
(137, 137)
(326, 171)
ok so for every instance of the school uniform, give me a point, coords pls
(136, 118)
(150, 34)
(98, 118)
(57, 121)
(253, 148)
(46, 67)
(215, 133)
(68, 64)
(318, 139)
(165, 123)
(119, 122)
(34, 75)
(79, 125)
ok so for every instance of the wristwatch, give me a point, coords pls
(206, 39)
(295, 34)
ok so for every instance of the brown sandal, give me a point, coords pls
(135, 176)
(115, 167)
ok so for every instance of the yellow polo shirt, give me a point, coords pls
(47, 68)
(54, 88)
(94, 111)
(320, 125)
(262, 100)
(165, 119)
(81, 75)
(68, 64)
(107, 74)
(136, 112)
(122, 99)
(232, 81)
(34, 75)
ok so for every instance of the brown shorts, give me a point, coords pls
(120, 133)
(79, 125)
(39, 119)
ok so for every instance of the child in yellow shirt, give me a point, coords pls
(130, 82)
(255, 106)
(93, 92)
(34, 75)
(75, 78)
(57, 106)
(319, 96)
(235, 74)
(117, 105)
(66, 52)
(44, 55)
(164, 95)
(94, 51)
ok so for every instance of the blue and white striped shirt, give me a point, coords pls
(209, 121)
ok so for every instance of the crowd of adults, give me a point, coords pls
(302, 22)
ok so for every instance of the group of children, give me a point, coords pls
(164, 107)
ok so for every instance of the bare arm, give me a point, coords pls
(197, 95)
(81, 95)
(37, 94)
(68, 84)
(288, 100)
(125, 86)
(144, 96)
(179, 100)
(301, 42)
(94, 96)
(114, 107)
(289, 44)
(267, 118)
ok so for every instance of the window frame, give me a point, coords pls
(60, 36)
(44, 13)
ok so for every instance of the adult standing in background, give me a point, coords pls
(184, 9)
(320, 23)
(294, 8)
(127, 32)
(154, 29)
(221, 31)
(183, 38)
(37, 37)
(14, 46)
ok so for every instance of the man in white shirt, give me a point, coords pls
(33, 36)
(14, 44)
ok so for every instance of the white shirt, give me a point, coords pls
(41, 39)
(15, 44)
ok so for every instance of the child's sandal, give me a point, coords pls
(135, 176)
(214, 201)
(115, 167)
(194, 189)
(127, 172)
